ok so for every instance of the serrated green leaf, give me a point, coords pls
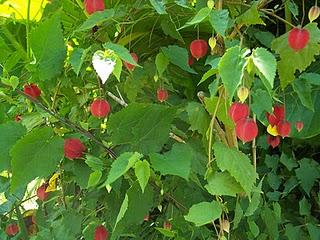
(161, 63)
(48, 47)
(314, 231)
(144, 127)
(11, 132)
(255, 200)
(222, 112)
(222, 183)
(121, 51)
(35, 155)
(122, 211)
(303, 89)
(121, 165)
(94, 178)
(311, 78)
(208, 74)
(266, 63)
(251, 16)
(292, 232)
(231, 77)
(271, 223)
(198, 118)
(289, 162)
(219, 21)
(117, 68)
(133, 211)
(178, 56)
(254, 228)
(262, 102)
(307, 173)
(96, 164)
(292, 61)
(203, 213)
(238, 214)
(198, 18)
(165, 232)
(169, 28)
(142, 171)
(175, 162)
(76, 59)
(304, 207)
(96, 18)
(159, 6)
(237, 164)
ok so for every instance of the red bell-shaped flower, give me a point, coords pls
(246, 129)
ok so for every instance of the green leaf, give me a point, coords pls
(271, 223)
(231, 77)
(303, 89)
(198, 117)
(238, 214)
(295, 111)
(237, 164)
(169, 28)
(311, 78)
(198, 18)
(219, 21)
(77, 57)
(208, 74)
(48, 47)
(292, 61)
(121, 51)
(11, 132)
(133, 209)
(255, 201)
(162, 63)
(121, 165)
(13, 81)
(81, 173)
(144, 127)
(222, 112)
(222, 183)
(94, 178)
(262, 102)
(266, 63)
(165, 232)
(203, 213)
(304, 207)
(117, 68)
(96, 18)
(292, 232)
(314, 231)
(142, 171)
(254, 229)
(67, 227)
(123, 209)
(159, 6)
(35, 155)
(251, 16)
(178, 56)
(289, 162)
(175, 162)
(308, 173)
(96, 164)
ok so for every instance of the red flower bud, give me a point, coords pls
(41, 192)
(246, 129)
(167, 225)
(162, 94)
(32, 90)
(284, 128)
(73, 148)
(198, 48)
(273, 141)
(93, 6)
(299, 126)
(298, 38)
(101, 233)
(12, 229)
(129, 66)
(100, 108)
(238, 111)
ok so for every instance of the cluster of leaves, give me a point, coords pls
(155, 171)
